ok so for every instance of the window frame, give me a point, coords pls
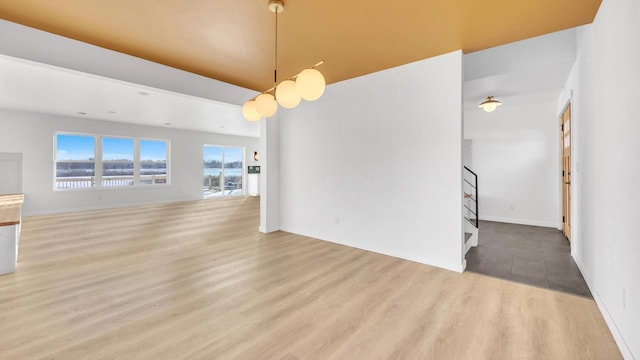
(222, 178)
(97, 178)
(138, 169)
(97, 167)
(135, 161)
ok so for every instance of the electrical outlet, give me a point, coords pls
(512, 206)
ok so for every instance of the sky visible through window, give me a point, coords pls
(232, 155)
(212, 153)
(153, 150)
(117, 149)
(75, 147)
(79, 147)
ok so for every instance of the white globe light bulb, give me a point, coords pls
(250, 112)
(489, 107)
(287, 95)
(310, 84)
(266, 105)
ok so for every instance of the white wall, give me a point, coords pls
(467, 155)
(376, 163)
(32, 135)
(10, 173)
(516, 154)
(606, 171)
(270, 174)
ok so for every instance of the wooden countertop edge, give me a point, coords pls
(11, 199)
(10, 209)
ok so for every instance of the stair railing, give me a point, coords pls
(473, 196)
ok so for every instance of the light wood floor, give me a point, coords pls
(196, 281)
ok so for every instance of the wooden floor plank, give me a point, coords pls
(195, 280)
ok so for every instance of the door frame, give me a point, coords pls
(568, 104)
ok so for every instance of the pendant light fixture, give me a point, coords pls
(309, 84)
(489, 104)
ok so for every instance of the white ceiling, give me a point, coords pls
(36, 87)
(526, 71)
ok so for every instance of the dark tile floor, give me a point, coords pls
(532, 255)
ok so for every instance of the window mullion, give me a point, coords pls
(98, 161)
(55, 161)
(222, 180)
(167, 162)
(136, 161)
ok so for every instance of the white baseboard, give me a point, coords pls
(520, 221)
(615, 332)
(265, 229)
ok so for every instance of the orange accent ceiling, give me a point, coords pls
(233, 40)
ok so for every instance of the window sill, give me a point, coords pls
(130, 187)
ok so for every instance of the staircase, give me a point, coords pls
(470, 193)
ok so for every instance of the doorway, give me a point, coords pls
(507, 248)
(565, 129)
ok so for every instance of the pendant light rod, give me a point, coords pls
(293, 77)
(310, 67)
(275, 70)
(309, 84)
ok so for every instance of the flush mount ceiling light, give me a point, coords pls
(309, 85)
(489, 104)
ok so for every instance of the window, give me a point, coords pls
(75, 161)
(153, 162)
(212, 171)
(223, 171)
(117, 162)
(232, 169)
(94, 161)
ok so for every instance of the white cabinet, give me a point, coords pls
(10, 220)
(254, 184)
(253, 180)
(8, 248)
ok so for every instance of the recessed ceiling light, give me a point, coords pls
(112, 112)
(220, 127)
(143, 93)
(167, 124)
(82, 113)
